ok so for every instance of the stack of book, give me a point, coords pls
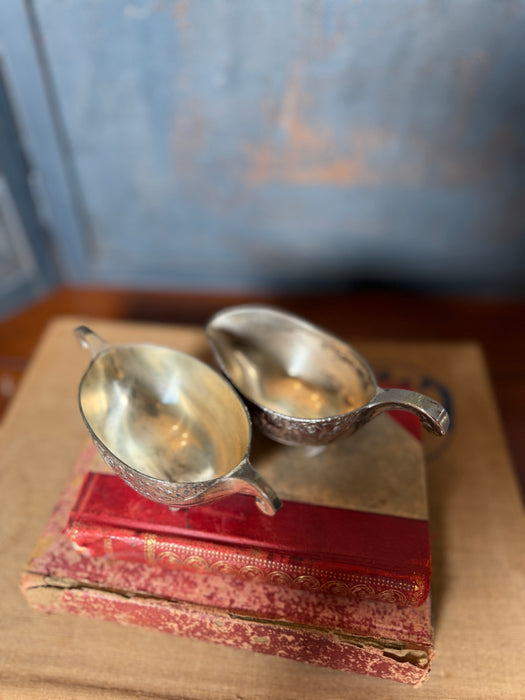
(339, 577)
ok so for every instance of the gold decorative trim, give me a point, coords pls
(344, 584)
(150, 542)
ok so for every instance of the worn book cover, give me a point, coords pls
(350, 553)
(303, 621)
(353, 523)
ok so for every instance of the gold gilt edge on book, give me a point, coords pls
(345, 584)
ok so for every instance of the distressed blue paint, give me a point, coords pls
(26, 90)
(26, 268)
(268, 144)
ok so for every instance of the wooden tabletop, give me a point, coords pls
(497, 325)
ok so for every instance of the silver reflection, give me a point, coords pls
(304, 385)
(159, 415)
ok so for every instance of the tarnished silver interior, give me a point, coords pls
(277, 361)
(164, 413)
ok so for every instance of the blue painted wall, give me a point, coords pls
(292, 145)
(27, 268)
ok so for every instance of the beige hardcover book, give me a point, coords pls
(477, 536)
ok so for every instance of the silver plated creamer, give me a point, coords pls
(305, 386)
(168, 424)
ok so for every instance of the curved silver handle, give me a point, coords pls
(253, 484)
(90, 340)
(432, 415)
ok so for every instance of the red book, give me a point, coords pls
(362, 551)
(370, 637)
(333, 550)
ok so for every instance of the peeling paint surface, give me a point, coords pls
(295, 145)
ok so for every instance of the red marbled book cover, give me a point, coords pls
(334, 550)
(363, 539)
(370, 637)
